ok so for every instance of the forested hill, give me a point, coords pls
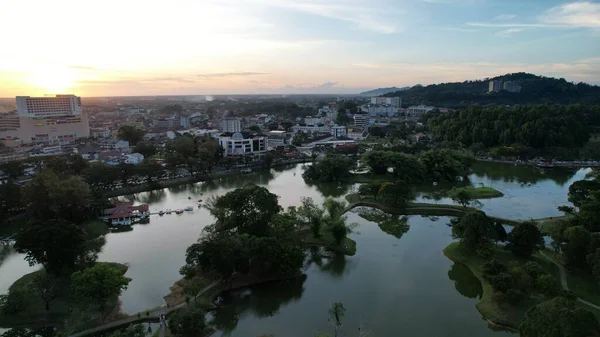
(534, 126)
(535, 90)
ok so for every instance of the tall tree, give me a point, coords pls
(187, 322)
(98, 284)
(336, 316)
(131, 134)
(525, 239)
(474, 230)
(55, 244)
(576, 246)
(248, 210)
(147, 149)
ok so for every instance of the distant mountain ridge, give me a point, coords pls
(534, 90)
(382, 91)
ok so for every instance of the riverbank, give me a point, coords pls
(30, 309)
(505, 315)
(192, 180)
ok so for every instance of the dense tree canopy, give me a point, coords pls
(97, 284)
(474, 230)
(525, 239)
(330, 168)
(559, 317)
(55, 244)
(189, 321)
(131, 134)
(147, 149)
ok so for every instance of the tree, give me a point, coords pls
(336, 315)
(147, 149)
(19, 332)
(462, 197)
(47, 286)
(525, 239)
(399, 193)
(330, 168)
(445, 165)
(47, 196)
(12, 169)
(557, 233)
(299, 138)
(474, 230)
(187, 322)
(558, 317)
(254, 128)
(581, 191)
(339, 230)
(575, 248)
(136, 330)
(548, 285)
(97, 284)
(493, 268)
(499, 232)
(10, 199)
(55, 244)
(593, 261)
(286, 125)
(130, 134)
(216, 253)
(248, 210)
(369, 189)
(312, 214)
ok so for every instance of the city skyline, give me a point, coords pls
(185, 47)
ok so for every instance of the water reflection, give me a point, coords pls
(333, 263)
(394, 225)
(332, 190)
(522, 173)
(5, 251)
(259, 300)
(464, 281)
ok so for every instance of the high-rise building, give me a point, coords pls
(495, 86)
(511, 86)
(58, 119)
(230, 125)
(393, 101)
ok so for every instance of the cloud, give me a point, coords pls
(363, 13)
(503, 17)
(230, 74)
(509, 32)
(576, 14)
(511, 25)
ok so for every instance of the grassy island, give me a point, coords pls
(504, 314)
(30, 308)
(482, 192)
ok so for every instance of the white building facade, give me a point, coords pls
(418, 110)
(242, 144)
(339, 132)
(393, 101)
(232, 125)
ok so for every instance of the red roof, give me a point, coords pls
(124, 210)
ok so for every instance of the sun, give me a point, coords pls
(53, 80)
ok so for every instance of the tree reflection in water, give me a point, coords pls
(395, 225)
(259, 300)
(464, 281)
(335, 264)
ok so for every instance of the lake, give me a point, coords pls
(394, 285)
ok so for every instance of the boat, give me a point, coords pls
(434, 218)
(189, 198)
(161, 213)
(178, 211)
(189, 209)
(199, 206)
(199, 200)
(168, 211)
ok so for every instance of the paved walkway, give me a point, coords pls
(563, 280)
(154, 315)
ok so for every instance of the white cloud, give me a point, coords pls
(504, 17)
(509, 32)
(577, 14)
(363, 13)
(511, 25)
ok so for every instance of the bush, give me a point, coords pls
(493, 268)
(12, 303)
(501, 282)
(547, 285)
(534, 270)
(521, 280)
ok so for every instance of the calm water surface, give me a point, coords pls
(394, 285)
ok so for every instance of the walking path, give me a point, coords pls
(154, 316)
(563, 280)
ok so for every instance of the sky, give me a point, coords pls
(197, 47)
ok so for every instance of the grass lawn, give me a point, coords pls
(547, 224)
(482, 192)
(505, 315)
(583, 285)
(63, 307)
(95, 228)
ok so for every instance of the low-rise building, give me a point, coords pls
(134, 158)
(339, 132)
(239, 143)
(232, 125)
(276, 138)
(418, 110)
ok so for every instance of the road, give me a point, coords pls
(154, 315)
(563, 280)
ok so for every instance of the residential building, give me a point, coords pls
(200, 132)
(122, 146)
(393, 101)
(361, 121)
(184, 122)
(418, 110)
(134, 158)
(379, 110)
(167, 123)
(355, 134)
(311, 128)
(312, 121)
(9, 156)
(58, 119)
(276, 138)
(124, 213)
(99, 132)
(242, 143)
(511, 86)
(495, 86)
(339, 132)
(232, 125)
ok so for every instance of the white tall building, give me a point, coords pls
(393, 101)
(58, 119)
(230, 125)
(242, 144)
